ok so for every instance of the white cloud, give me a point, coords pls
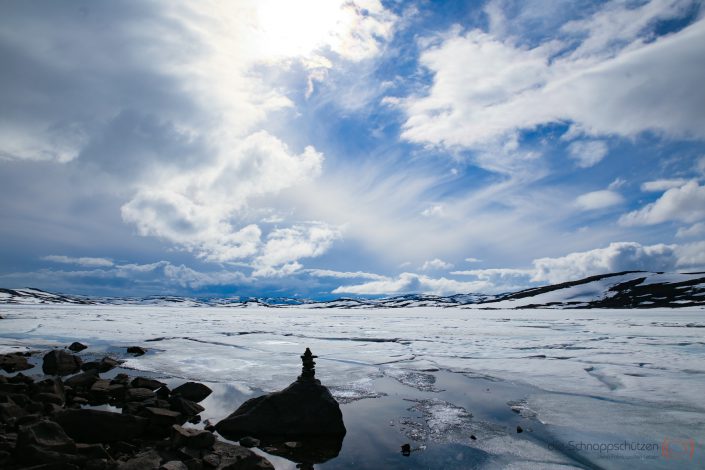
(435, 264)
(196, 210)
(700, 165)
(662, 185)
(413, 283)
(598, 200)
(177, 126)
(473, 260)
(683, 204)
(345, 274)
(353, 30)
(81, 261)
(692, 256)
(620, 23)
(588, 153)
(695, 230)
(179, 275)
(616, 184)
(284, 247)
(486, 88)
(435, 210)
(618, 256)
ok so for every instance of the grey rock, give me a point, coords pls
(248, 441)
(192, 438)
(139, 394)
(144, 382)
(10, 411)
(93, 451)
(234, 457)
(13, 362)
(83, 380)
(148, 460)
(104, 365)
(45, 434)
(185, 407)
(174, 465)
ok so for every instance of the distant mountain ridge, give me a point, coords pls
(628, 289)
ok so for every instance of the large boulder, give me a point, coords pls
(58, 362)
(303, 409)
(193, 391)
(87, 425)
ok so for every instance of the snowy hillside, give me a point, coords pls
(630, 289)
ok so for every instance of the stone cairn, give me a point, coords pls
(308, 371)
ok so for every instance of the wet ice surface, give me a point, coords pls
(431, 377)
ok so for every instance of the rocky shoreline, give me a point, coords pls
(63, 419)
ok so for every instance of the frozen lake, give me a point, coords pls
(589, 388)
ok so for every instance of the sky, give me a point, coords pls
(331, 148)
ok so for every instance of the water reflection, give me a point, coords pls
(305, 452)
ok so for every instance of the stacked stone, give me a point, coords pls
(308, 371)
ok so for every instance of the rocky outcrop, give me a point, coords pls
(43, 425)
(305, 412)
(303, 409)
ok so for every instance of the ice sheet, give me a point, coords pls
(598, 373)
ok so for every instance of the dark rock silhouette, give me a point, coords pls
(193, 391)
(58, 362)
(42, 425)
(136, 350)
(93, 426)
(104, 365)
(303, 422)
(77, 347)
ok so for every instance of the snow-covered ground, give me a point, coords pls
(575, 377)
